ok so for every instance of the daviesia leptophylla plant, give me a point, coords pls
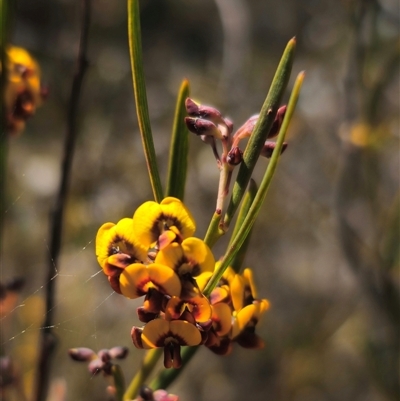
(192, 299)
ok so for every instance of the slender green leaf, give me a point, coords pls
(261, 130)
(178, 155)
(139, 88)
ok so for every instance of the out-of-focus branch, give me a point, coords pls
(4, 13)
(376, 280)
(48, 339)
(358, 180)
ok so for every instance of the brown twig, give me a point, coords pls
(48, 339)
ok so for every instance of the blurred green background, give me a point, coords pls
(325, 249)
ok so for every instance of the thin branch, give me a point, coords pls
(375, 280)
(48, 339)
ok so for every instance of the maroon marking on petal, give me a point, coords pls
(136, 334)
(140, 287)
(249, 339)
(168, 357)
(145, 316)
(114, 282)
(176, 355)
(223, 348)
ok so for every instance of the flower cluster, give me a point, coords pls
(208, 123)
(100, 361)
(155, 255)
(23, 92)
(236, 312)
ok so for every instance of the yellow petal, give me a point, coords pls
(202, 280)
(222, 318)
(174, 308)
(219, 294)
(237, 292)
(118, 238)
(200, 308)
(103, 242)
(170, 256)
(228, 275)
(126, 231)
(134, 281)
(155, 333)
(198, 255)
(186, 333)
(262, 306)
(248, 276)
(145, 220)
(175, 209)
(242, 319)
(164, 279)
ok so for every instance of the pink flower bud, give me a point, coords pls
(81, 354)
(235, 156)
(276, 125)
(96, 366)
(199, 110)
(202, 127)
(269, 148)
(118, 352)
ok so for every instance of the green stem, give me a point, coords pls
(251, 216)
(119, 381)
(139, 89)
(213, 233)
(261, 130)
(149, 362)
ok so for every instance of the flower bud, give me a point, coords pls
(81, 354)
(206, 112)
(235, 156)
(269, 148)
(276, 125)
(96, 366)
(104, 355)
(146, 393)
(202, 127)
(118, 352)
